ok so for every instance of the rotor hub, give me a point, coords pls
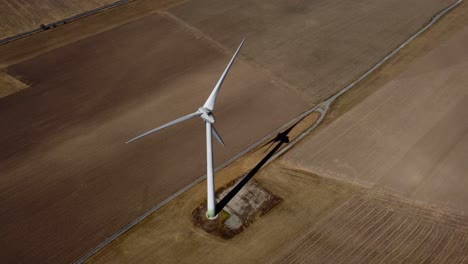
(207, 115)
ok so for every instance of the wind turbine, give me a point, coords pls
(206, 113)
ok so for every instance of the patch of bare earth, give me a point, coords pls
(9, 84)
(251, 202)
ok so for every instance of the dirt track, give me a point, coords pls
(68, 181)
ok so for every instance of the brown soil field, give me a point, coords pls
(69, 181)
(318, 47)
(380, 229)
(18, 16)
(410, 134)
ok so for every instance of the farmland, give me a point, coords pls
(393, 145)
(330, 217)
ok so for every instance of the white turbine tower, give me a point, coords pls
(206, 113)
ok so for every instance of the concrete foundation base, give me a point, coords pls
(251, 202)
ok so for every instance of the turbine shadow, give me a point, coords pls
(281, 138)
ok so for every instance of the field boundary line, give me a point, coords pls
(198, 33)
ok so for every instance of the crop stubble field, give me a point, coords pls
(381, 229)
(65, 165)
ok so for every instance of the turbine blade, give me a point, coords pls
(178, 120)
(218, 137)
(210, 102)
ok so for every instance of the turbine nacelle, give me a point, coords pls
(206, 114)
